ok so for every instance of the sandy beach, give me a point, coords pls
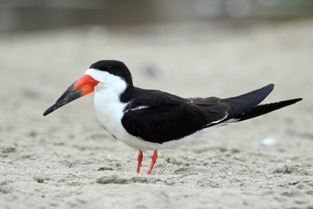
(67, 160)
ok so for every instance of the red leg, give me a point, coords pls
(140, 156)
(154, 157)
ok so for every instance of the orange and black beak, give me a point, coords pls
(81, 87)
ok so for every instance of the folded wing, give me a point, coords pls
(160, 117)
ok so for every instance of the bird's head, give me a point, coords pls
(103, 73)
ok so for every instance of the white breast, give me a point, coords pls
(109, 111)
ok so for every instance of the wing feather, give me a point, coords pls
(167, 117)
(159, 117)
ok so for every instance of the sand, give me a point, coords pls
(67, 160)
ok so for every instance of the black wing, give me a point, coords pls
(243, 103)
(235, 106)
(247, 106)
(160, 117)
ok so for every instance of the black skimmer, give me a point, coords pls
(152, 119)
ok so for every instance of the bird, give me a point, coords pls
(152, 120)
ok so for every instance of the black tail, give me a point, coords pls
(266, 108)
(245, 102)
(246, 106)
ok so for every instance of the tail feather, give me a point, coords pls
(266, 108)
(245, 106)
(245, 102)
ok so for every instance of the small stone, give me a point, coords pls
(105, 169)
(39, 179)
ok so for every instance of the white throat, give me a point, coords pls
(109, 108)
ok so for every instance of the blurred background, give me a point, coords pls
(22, 15)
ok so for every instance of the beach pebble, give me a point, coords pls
(268, 141)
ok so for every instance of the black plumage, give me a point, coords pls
(160, 117)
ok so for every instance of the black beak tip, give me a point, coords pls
(49, 110)
(67, 97)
